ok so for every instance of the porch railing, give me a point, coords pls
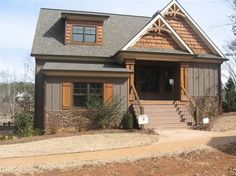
(196, 109)
(138, 99)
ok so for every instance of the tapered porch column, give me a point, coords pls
(130, 65)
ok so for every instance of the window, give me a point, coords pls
(84, 91)
(84, 34)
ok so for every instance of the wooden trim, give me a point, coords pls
(130, 65)
(184, 81)
(66, 95)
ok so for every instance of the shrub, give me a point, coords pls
(127, 121)
(102, 114)
(24, 125)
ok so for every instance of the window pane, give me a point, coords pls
(80, 101)
(80, 88)
(90, 30)
(78, 37)
(84, 91)
(90, 38)
(77, 29)
(96, 89)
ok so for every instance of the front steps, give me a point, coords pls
(165, 114)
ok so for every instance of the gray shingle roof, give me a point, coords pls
(100, 67)
(118, 30)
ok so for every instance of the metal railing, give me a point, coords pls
(138, 99)
(196, 109)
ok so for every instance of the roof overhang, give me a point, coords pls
(83, 16)
(168, 57)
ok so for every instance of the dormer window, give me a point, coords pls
(85, 34)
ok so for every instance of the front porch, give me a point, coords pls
(159, 90)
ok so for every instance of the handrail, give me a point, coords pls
(138, 99)
(190, 99)
(193, 103)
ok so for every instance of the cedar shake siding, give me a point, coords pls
(97, 24)
(157, 40)
(188, 35)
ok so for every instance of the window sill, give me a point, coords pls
(84, 43)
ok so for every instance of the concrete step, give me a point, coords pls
(163, 113)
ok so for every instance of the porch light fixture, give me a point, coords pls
(171, 82)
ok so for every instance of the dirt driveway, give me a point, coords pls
(220, 162)
(171, 142)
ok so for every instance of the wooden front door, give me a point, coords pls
(157, 82)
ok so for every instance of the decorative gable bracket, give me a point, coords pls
(159, 26)
(173, 11)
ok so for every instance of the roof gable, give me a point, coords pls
(157, 24)
(174, 9)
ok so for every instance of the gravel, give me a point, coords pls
(81, 143)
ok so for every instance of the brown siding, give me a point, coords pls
(203, 79)
(188, 35)
(68, 33)
(54, 90)
(156, 40)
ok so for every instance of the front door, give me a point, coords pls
(156, 82)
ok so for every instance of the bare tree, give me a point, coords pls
(28, 64)
(230, 66)
(8, 91)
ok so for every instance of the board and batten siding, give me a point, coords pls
(203, 79)
(53, 90)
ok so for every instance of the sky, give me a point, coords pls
(18, 20)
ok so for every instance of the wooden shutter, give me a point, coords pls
(108, 91)
(66, 95)
(184, 80)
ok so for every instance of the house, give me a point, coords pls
(164, 66)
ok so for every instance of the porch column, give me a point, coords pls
(130, 65)
(184, 80)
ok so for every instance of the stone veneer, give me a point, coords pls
(57, 121)
(70, 121)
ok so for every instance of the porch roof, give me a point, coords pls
(84, 67)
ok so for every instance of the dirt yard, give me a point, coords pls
(221, 161)
(224, 123)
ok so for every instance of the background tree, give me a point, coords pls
(17, 92)
(229, 104)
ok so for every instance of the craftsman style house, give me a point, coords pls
(164, 66)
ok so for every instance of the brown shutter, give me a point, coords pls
(184, 80)
(108, 91)
(66, 95)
